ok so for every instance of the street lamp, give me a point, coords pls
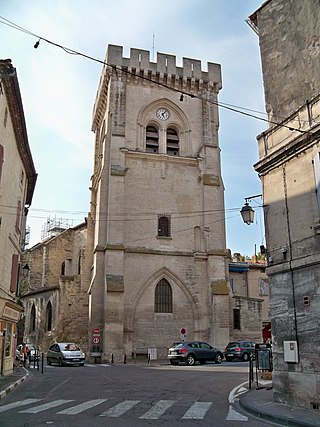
(25, 270)
(247, 212)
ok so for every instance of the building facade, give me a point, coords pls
(249, 302)
(53, 293)
(17, 183)
(289, 168)
(156, 225)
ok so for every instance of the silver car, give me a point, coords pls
(65, 353)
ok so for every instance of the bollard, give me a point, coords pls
(149, 359)
(42, 358)
(125, 359)
(112, 361)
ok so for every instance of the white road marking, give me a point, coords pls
(233, 415)
(82, 407)
(197, 411)
(17, 404)
(45, 406)
(232, 394)
(120, 409)
(157, 410)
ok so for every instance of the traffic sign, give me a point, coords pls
(96, 340)
(183, 331)
(96, 331)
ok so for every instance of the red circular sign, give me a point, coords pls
(183, 331)
(96, 331)
(96, 340)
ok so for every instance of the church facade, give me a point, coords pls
(156, 227)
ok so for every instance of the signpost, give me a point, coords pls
(95, 346)
(183, 334)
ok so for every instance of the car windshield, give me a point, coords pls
(70, 347)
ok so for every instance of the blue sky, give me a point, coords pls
(58, 91)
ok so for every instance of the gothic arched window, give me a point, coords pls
(152, 140)
(163, 297)
(49, 316)
(172, 142)
(33, 319)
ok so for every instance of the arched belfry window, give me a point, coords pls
(49, 317)
(33, 319)
(152, 140)
(163, 297)
(172, 142)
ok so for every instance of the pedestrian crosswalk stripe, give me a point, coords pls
(45, 406)
(197, 411)
(81, 407)
(17, 404)
(120, 409)
(158, 409)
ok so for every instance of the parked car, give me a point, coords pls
(65, 353)
(192, 352)
(34, 354)
(239, 350)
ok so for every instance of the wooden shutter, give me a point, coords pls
(14, 273)
(1, 159)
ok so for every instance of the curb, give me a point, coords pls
(278, 419)
(6, 391)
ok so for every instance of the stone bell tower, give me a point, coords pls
(156, 226)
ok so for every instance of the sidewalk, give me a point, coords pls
(9, 382)
(259, 402)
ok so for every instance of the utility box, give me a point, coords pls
(290, 351)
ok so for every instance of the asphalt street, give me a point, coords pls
(129, 395)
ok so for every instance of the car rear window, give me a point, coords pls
(233, 344)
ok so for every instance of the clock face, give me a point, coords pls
(162, 114)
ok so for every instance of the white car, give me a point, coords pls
(65, 353)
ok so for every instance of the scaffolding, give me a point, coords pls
(55, 226)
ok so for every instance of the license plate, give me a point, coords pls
(229, 354)
(173, 352)
(76, 360)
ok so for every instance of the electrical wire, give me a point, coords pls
(230, 107)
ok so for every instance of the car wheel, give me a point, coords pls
(173, 362)
(191, 360)
(60, 362)
(229, 359)
(245, 357)
(218, 359)
(48, 361)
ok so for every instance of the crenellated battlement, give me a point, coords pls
(166, 64)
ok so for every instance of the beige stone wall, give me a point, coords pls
(66, 292)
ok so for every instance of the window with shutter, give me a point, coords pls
(1, 159)
(172, 142)
(152, 140)
(14, 272)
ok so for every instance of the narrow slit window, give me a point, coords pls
(172, 142)
(236, 319)
(163, 297)
(33, 319)
(49, 317)
(152, 140)
(164, 226)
